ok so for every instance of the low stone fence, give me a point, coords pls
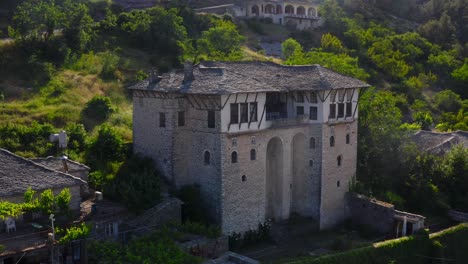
(458, 216)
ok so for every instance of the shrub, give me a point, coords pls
(99, 108)
(63, 201)
(74, 233)
(110, 62)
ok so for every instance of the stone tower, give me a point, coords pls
(262, 140)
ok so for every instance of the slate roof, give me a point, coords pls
(56, 163)
(439, 143)
(17, 174)
(249, 77)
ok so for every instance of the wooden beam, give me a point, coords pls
(227, 100)
(261, 119)
(307, 97)
(190, 101)
(195, 100)
(256, 110)
(245, 102)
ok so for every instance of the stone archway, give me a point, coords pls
(300, 11)
(299, 173)
(312, 12)
(289, 9)
(274, 179)
(255, 10)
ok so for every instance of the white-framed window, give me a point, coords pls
(111, 229)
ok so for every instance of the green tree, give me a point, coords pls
(290, 48)
(221, 42)
(47, 202)
(447, 101)
(99, 108)
(330, 43)
(78, 27)
(62, 200)
(461, 74)
(107, 146)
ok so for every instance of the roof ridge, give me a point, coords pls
(40, 165)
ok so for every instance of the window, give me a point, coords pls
(162, 119)
(234, 157)
(111, 229)
(234, 113)
(313, 113)
(181, 118)
(253, 112)
(333, 96)
(349, 109)
(300, 98)
(311, 163)
(234, 142)
(347, 139)
(339, 160)
(332, 141)
(244, 178)
(340, 110)
(207, 157)
(299, 110)
(313, 98)
(253, 154)
(211, 119)
(244, 112)
(332, 111)
(312, 143)
(338, 183)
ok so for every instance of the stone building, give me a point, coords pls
(262, 140)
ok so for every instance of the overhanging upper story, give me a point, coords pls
(249, 96)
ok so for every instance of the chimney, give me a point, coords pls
(153, 76)
(188, 72)
(64, 163)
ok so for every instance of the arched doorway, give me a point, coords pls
(269, 9)
(299, 173)
(312, 12)
(255, 10)
(300, 11)
(289, 9)
(274, 179)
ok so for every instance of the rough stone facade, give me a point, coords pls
(274, 160)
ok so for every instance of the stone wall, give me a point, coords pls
(245, 202)
(336, 178)
(371, 212)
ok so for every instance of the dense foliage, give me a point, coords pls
(447, 245)
(73, 233)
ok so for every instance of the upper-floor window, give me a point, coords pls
(313, 113)
(181, 118)
(253, 154)
(332, 141)
(234, 113)
(211, 119)
(339, 160)
(244, 112)
(349, 109)
(312, 143)
(234, 157)
(253, 112)
(313, 98)
(299, 110)
(162, 119)
(207, 158)
(348, 138)
(340, 110)
(300, 97)
(332, 113)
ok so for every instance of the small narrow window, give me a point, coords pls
(332, 114)
(313, 113)
(312, 143)
(349, 109)
(244, 112)
(181, 118)
(234, 113)
(332, 141)
(234, 157)
(300, 110)
(348, 138)
(234, 142)
(340, 110)
(211, 119)
(162, 119)
(207, 157)
(253, 112)
(253, 154)
(300, 97)
(244, 178)
(313, 98)
(339, 160)
(338, 184)
(311, 163)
